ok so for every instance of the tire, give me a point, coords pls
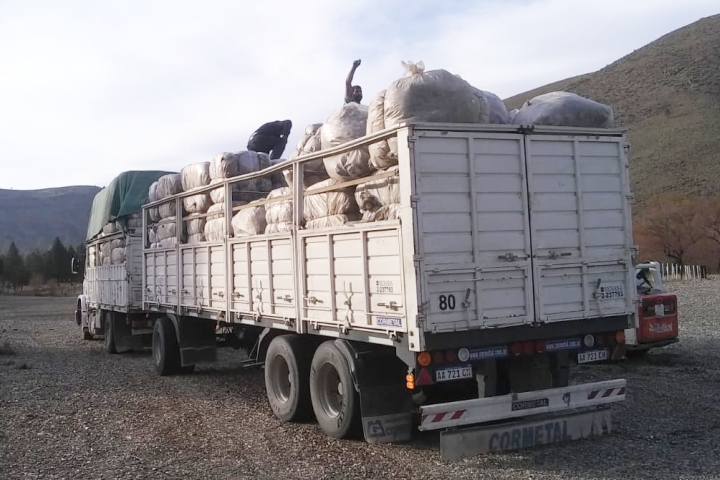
(335, 402)
(87, 335)
(108, 334)
(165, 348)
(287, 378)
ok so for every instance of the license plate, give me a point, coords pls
(456, 373)
(592, 356)
(659, 310)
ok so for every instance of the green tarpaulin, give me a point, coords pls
(124, 196)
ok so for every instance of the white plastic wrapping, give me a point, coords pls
(195, 175)
(109, 228)
(165, 186)
(194, 226)
(565, 109)
(346, 124)
(282, 227)
(331, 221)
(117, 243)
(376, 194)
(313, 171)
(338, 202)
(498, 113)
(433, 96)
(249, 221)
(228, 165)
(198, 203)
(215, 225)
(280, 211)
(165, 229)
(117, 256)
(196, 238)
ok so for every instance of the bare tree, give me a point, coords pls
(677, 223)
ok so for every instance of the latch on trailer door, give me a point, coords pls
(553, 255)
(392, 305)
(511, 257)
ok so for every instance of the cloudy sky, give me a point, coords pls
(89, 89)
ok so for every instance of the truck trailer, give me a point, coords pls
(509, 255)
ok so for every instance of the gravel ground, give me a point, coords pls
(67, 410)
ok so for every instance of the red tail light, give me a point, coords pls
(450, 356)
(438, 357)
(516, 348)
(540, 346)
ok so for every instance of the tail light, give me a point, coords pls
(540, 346)
(423, 378)
(516, 348)
(424, 359)
(450, 356)
(410, 381)
(438, 357)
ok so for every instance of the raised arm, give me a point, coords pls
(349, 79)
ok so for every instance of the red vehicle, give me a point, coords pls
(657, 314)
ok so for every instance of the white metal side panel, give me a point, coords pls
(133, 265)
(354, 279)
(263, 276)
(161, 279)
(203, 276)
(473, 225)
(580, 233)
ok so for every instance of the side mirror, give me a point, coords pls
(73, 266)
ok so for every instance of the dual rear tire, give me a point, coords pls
(302, 380)
(166, 349)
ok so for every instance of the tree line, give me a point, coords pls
(54, 264)
(681, 229)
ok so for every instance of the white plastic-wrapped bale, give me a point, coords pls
(131, 222)
(346, 124)
(165, 229)
(195, 228)
(109, 228)
(105, 252)
(280, 211)
(117, 256)
(313, 171)
(433, 96)
(511, 115)
(564, 109)
(196, 175)
(167, 243)
(497, 112)
(331, 203)
(117, 243)
(282, 227)
(249, 221)
(331, 221)
(167, 185)
(215, 226)
(228, 165)
(196, 238)
(276, 179)
(377, 195)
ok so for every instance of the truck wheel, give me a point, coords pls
(166, 352)
(287, 377)
(87, 335)
(335, 402)
(108, 334)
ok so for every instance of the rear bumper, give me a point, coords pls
(483, 410)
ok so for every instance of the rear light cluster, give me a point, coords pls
(426, 358)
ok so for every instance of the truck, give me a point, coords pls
(510, 255)
(657, 312)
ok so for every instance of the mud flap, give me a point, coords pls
(196, 339)
(458, 443)
(124, 341)
(386, 405)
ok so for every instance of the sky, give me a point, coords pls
(89, 89)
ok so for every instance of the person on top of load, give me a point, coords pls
(271, 138)
(353, 93)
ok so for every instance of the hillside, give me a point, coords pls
(33, 218)
(667, 94)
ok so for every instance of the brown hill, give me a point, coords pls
(667, 94)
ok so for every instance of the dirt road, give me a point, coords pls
(68, 410)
